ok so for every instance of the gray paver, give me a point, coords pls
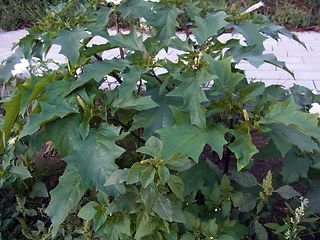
(304, 63)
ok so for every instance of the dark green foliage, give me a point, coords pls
(134, 159)
(22, 13)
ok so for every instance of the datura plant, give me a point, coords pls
(130, 129)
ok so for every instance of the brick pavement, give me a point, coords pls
(305, 63)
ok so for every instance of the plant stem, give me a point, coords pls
(127, 128)
(227, 153)
(114, 74)
(157, 78)
(186, 29)
(116, 20)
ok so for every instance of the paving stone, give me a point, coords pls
(304, 67)
(264, 67)
(311, 60)
(305, 53)
(291, 59)
(307, 75)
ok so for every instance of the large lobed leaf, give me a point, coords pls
(53, 105)
(285, 113)
(94, 158)
(209, 26)
(69, 40)
(193, 95)
(189, 139)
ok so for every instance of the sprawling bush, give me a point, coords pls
(171, 149)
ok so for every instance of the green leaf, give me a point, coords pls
(155, 118)
(192, 10)
(251, 33)
(243, 147)
(190, 139)
(39, 189)
(164, 174)
(313, 196)
(210, 26)
(285, 113)
(102, 19)
(98, 70)
(226, 80)
(12, 108)
(99, 218)
(162, 206)
(130, 41)
(5, 71)
(163, 17)
(31, 89)
(179, 162)
(125, 202)
(244, 201)
(194, 178)
(260, 231)
(295, 167)
(20, 171)
(209, 228)
(64, 197)
(129, 83)
(166, 22)
(144, 226)
(69, 40)
(88, 211)
(286, 136)
(153, 147)
(251, 92)
(53, 105)
(177, 186)
(136, 103)
(123, 225)
(135, 172)
(149, 195)
(118, 176)
(287, 192)
(188, 236)
(226, 208)
(193, 95)
(147, 176)
(94, 158)
(272, 226)
(69, 127)
(245, 179)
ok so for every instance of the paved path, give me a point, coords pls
(304, 63)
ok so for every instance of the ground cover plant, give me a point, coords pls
(172, 150)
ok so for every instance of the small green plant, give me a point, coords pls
(131, 153)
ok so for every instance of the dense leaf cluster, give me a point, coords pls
(132, 150)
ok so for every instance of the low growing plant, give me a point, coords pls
(132, 153)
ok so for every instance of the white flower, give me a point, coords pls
(13, 140)
(253, 7)
(21, 69)
(115, 2)
(315, 108)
